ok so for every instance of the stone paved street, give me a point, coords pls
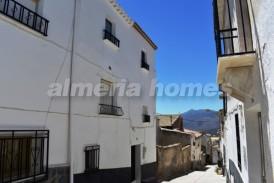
(208, 176)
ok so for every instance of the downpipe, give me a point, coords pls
(72, 55)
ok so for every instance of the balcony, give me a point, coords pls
(24, 155)
(25, 16)
(146, 118)
(144, 65)
(110, 37)
(234, 46)
(110, 110)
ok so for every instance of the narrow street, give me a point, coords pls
(207, 176)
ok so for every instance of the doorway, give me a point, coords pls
(136, 164)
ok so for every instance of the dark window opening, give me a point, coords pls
(109, 33)
(146, 116)
(92, 157)
(108, 26)
(239, 155)
(144, 63)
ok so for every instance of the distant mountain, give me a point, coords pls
(203, 120)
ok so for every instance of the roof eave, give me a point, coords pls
(144, 35)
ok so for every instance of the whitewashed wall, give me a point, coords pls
(30, 62)
(235, 107)
(264, 21)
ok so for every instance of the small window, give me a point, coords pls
(146, 116)
(145, 110)
(144, 63)
(109, 27)
(92, 157)
(144, 57)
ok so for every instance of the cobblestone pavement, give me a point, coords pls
(207, 176)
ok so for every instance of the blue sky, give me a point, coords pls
(183, 31)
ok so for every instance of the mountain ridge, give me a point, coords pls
(202, 120)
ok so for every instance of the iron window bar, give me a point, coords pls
(110, 110)
(109, 36)
(92, 157)
(146, 118)
(24, 155)
(230, 35)
(24, 15)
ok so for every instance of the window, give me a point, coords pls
(144, 57)
(23, 155)
(146, 116)
(239, 155)
(108, 26)
(108, 100)
(92, 157)
(109, 33)
(107, 93)
(144, 63)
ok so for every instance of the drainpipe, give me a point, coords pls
(70, 132)
(263, 171)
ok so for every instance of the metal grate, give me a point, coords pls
(92, 157)
(23, 155)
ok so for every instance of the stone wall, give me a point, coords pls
(167, 137)
(173, 161)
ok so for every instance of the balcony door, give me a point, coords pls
(244, 26)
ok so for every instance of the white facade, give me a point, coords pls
(31, 62)
(247, 78)
(229, 141)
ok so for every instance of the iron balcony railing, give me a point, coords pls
(109, 36)
(24, 15)
(24, 155)
(233, 33)
(146, 118)
(92, 157)
(144, 65)
(110, 110)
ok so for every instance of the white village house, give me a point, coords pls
(84, 139)
(244, 43)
